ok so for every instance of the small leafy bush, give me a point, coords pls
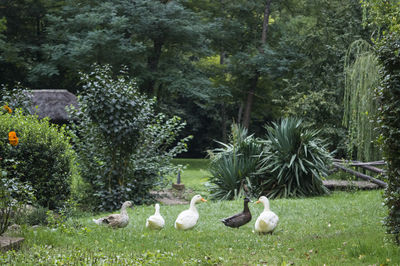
(14, 194)
(233, 166)
(124, 147)
(44, 155)
(294, 161)
(36, 216)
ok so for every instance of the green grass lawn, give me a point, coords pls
(195, 175)
(341, 229)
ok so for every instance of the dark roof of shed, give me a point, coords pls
(52, 103)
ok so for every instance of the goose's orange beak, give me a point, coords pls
(258, 201)
(203, 200)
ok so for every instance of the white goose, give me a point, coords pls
(116, 220)
(268, 220)
(156, 221)
(188, 218)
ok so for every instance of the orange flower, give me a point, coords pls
(8, 109)
(12, 138)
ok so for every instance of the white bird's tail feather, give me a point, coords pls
(178, 225)
(98, 221)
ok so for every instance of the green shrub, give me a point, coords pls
(124, 147)
(36, 216)
(294, 161)
(44, 153)
(233, 166)
(14, 194)
(16, 97)
(389, 120)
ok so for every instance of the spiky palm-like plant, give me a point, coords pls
(294, 160)
(234, 164)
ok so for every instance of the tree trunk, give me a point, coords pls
(239, 118)
(267, 12)
(224, 124)
(249, 101)
(253, 82)
(152, 65)
(223, 110)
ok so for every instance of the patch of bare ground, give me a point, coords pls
(172, 196)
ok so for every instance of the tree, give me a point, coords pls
(361, 78)
(254, 80)
(384, 17)
(157, 41)
(313, 38)
(240, 58)
(24, 33)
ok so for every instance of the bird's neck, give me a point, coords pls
(193, 206)
(246, 207)
(123, 211)
(266, 206)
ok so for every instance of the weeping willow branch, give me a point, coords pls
(361, 78)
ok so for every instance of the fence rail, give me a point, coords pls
(344, 164)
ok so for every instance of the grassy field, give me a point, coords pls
(195, 175)
(341, 229)
(344, 228)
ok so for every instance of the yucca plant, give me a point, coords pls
(234, 164)
(294, 161)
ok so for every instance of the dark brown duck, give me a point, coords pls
(239, 219)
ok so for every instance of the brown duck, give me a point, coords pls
(117, 220)
(239, 219)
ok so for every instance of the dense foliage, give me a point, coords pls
(14, 194)
(188, 54)
(233, 166)
(389, 118)
(384, 17)
(314, 39)
(361, 78)
(44, 155)
(124, 146)
(294, 161)
(290, 162)
(16, 97)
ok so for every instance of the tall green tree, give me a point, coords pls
(242, 60)
(161, 43)
(314, 38)
(384, 17)
(300, 68)
(157, 40)
(22, 37)
(361, 78)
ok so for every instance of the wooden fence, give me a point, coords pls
(370, 166)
